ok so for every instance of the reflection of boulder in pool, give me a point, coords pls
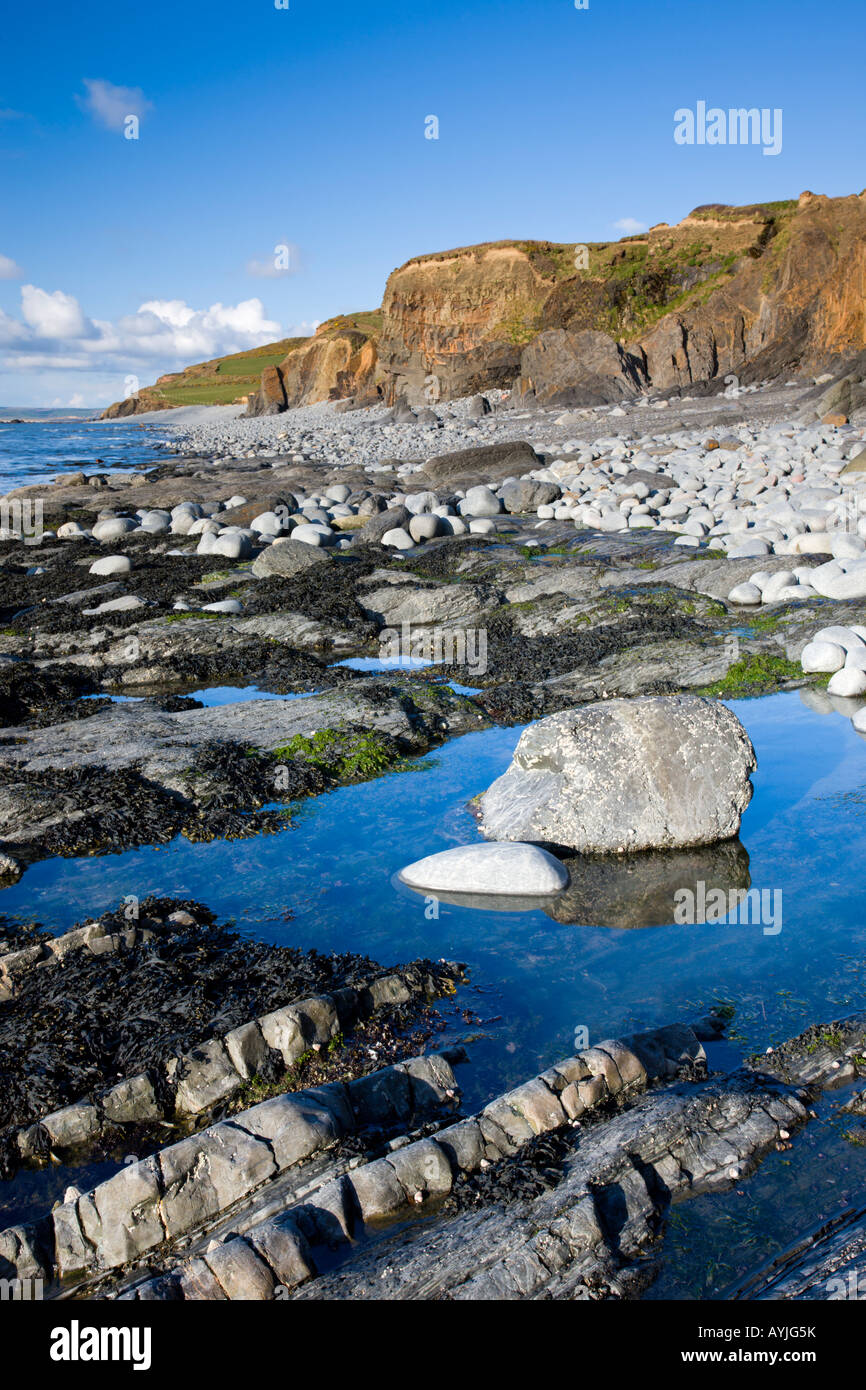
(822, 702)
(817, 700)
(638, 890)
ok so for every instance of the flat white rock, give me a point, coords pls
(117, 605)
(503, 869)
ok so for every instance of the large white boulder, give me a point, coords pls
(233, 546)
(267, 524)
(396, 539)
(849, 681)
(480, 501)
(424, 526)
(111, 564)
(745, 594)
(654, 772)
(846, 586)
(776, 584)
(112, 528)
(313, 533)
(749, 549)
(846, 637)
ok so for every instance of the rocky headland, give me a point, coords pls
(750, 292)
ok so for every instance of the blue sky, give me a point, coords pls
(305, 127)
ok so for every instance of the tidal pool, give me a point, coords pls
(533, 980)
(327, 882)
(212, 696)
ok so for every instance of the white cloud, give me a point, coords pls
(56, 315)
(629, 226)
(54, 333)
(9, 270)
(94, 392)
(111, 105)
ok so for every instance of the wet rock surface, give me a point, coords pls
(531, 633)
(826, 1263)
(560, 1189)
(551, 607)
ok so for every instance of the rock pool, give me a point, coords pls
(328, 882)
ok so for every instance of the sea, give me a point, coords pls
(36, 446)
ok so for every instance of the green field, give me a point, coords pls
(208, 392)
(244, 364)
(223, 380)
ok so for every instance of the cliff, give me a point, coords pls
(755, 291)
(221, 381)
(340, 360)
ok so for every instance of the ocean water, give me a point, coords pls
(38, 451)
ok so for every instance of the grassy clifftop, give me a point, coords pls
(222, 381)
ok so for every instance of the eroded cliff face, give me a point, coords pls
(751, 292)
(577, 368)
(796, 304)
(457, 323)
(450, 324)
(340, 361)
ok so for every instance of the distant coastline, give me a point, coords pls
(35, 415)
